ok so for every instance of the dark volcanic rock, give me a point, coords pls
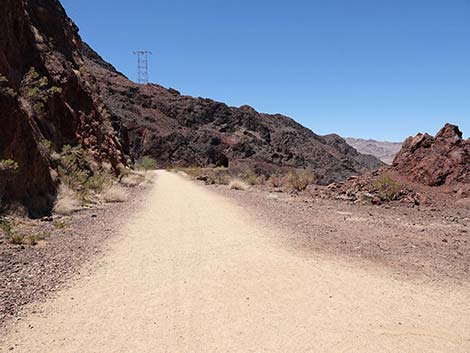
(179, 130)
(46, 94)
(434, 161)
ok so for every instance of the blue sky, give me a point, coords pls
(382, 69)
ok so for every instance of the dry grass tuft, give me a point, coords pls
(67, 201)
(276, 180)
(132, 180)
(116, 193)
(238, 184)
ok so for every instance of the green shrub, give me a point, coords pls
(16, 239)
(59, 224)
(37, 90)
(5, 88)
(8, 165)
(10, 233)
(98, 182)
(72, 169)
(32, 240)
(6, 227)
(147, 163)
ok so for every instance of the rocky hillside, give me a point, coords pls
(179, 130)
(383, 150)
(435, 161)
(47, 101)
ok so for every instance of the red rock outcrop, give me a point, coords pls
(435, 161)
(46, 94)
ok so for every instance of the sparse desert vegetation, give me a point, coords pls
(285, 180)
(387, 188)
(237, 184)
(8, 166)
(146, 163)
(67, 201)
(300, 180)
(116, 193)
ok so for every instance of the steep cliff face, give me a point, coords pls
(47, 100)
(435, 161)
(180, 130)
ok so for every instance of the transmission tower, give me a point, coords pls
(142, 66)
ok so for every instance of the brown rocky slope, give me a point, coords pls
(435, 161)
(46, 101)
(430, 170)
(184, 131)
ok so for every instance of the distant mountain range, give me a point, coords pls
(384, 150)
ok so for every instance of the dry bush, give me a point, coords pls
(237, 184)
(276, 180)
(194, 171)
(299, 180)
(387, 188)
(133, 179)
(250, 177)
(10, 233)
(67, 201)
(115, 193)
(215, 176)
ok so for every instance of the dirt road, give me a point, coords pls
(195, 273)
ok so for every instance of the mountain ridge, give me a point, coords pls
(180, 130)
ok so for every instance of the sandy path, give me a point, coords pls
(194, 273)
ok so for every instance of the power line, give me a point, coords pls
(142, 66)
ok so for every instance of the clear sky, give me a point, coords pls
(382, 69)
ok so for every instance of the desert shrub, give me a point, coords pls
(6, 227)
(251, 177)
(387, 188)
(299, 180)
(276, 180)
(98, 182)
(11, 235)
(133, 179)
(59, 224)
(218, 176)
(76, 173)
(73, 171)
(237, 184)
(36, 88)
(16, 239)
(194, 171)
(67, 201)
(116, 193)
(33, 239)
(5, 88)
(146, 163)
(47, 145)
(8, 165)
